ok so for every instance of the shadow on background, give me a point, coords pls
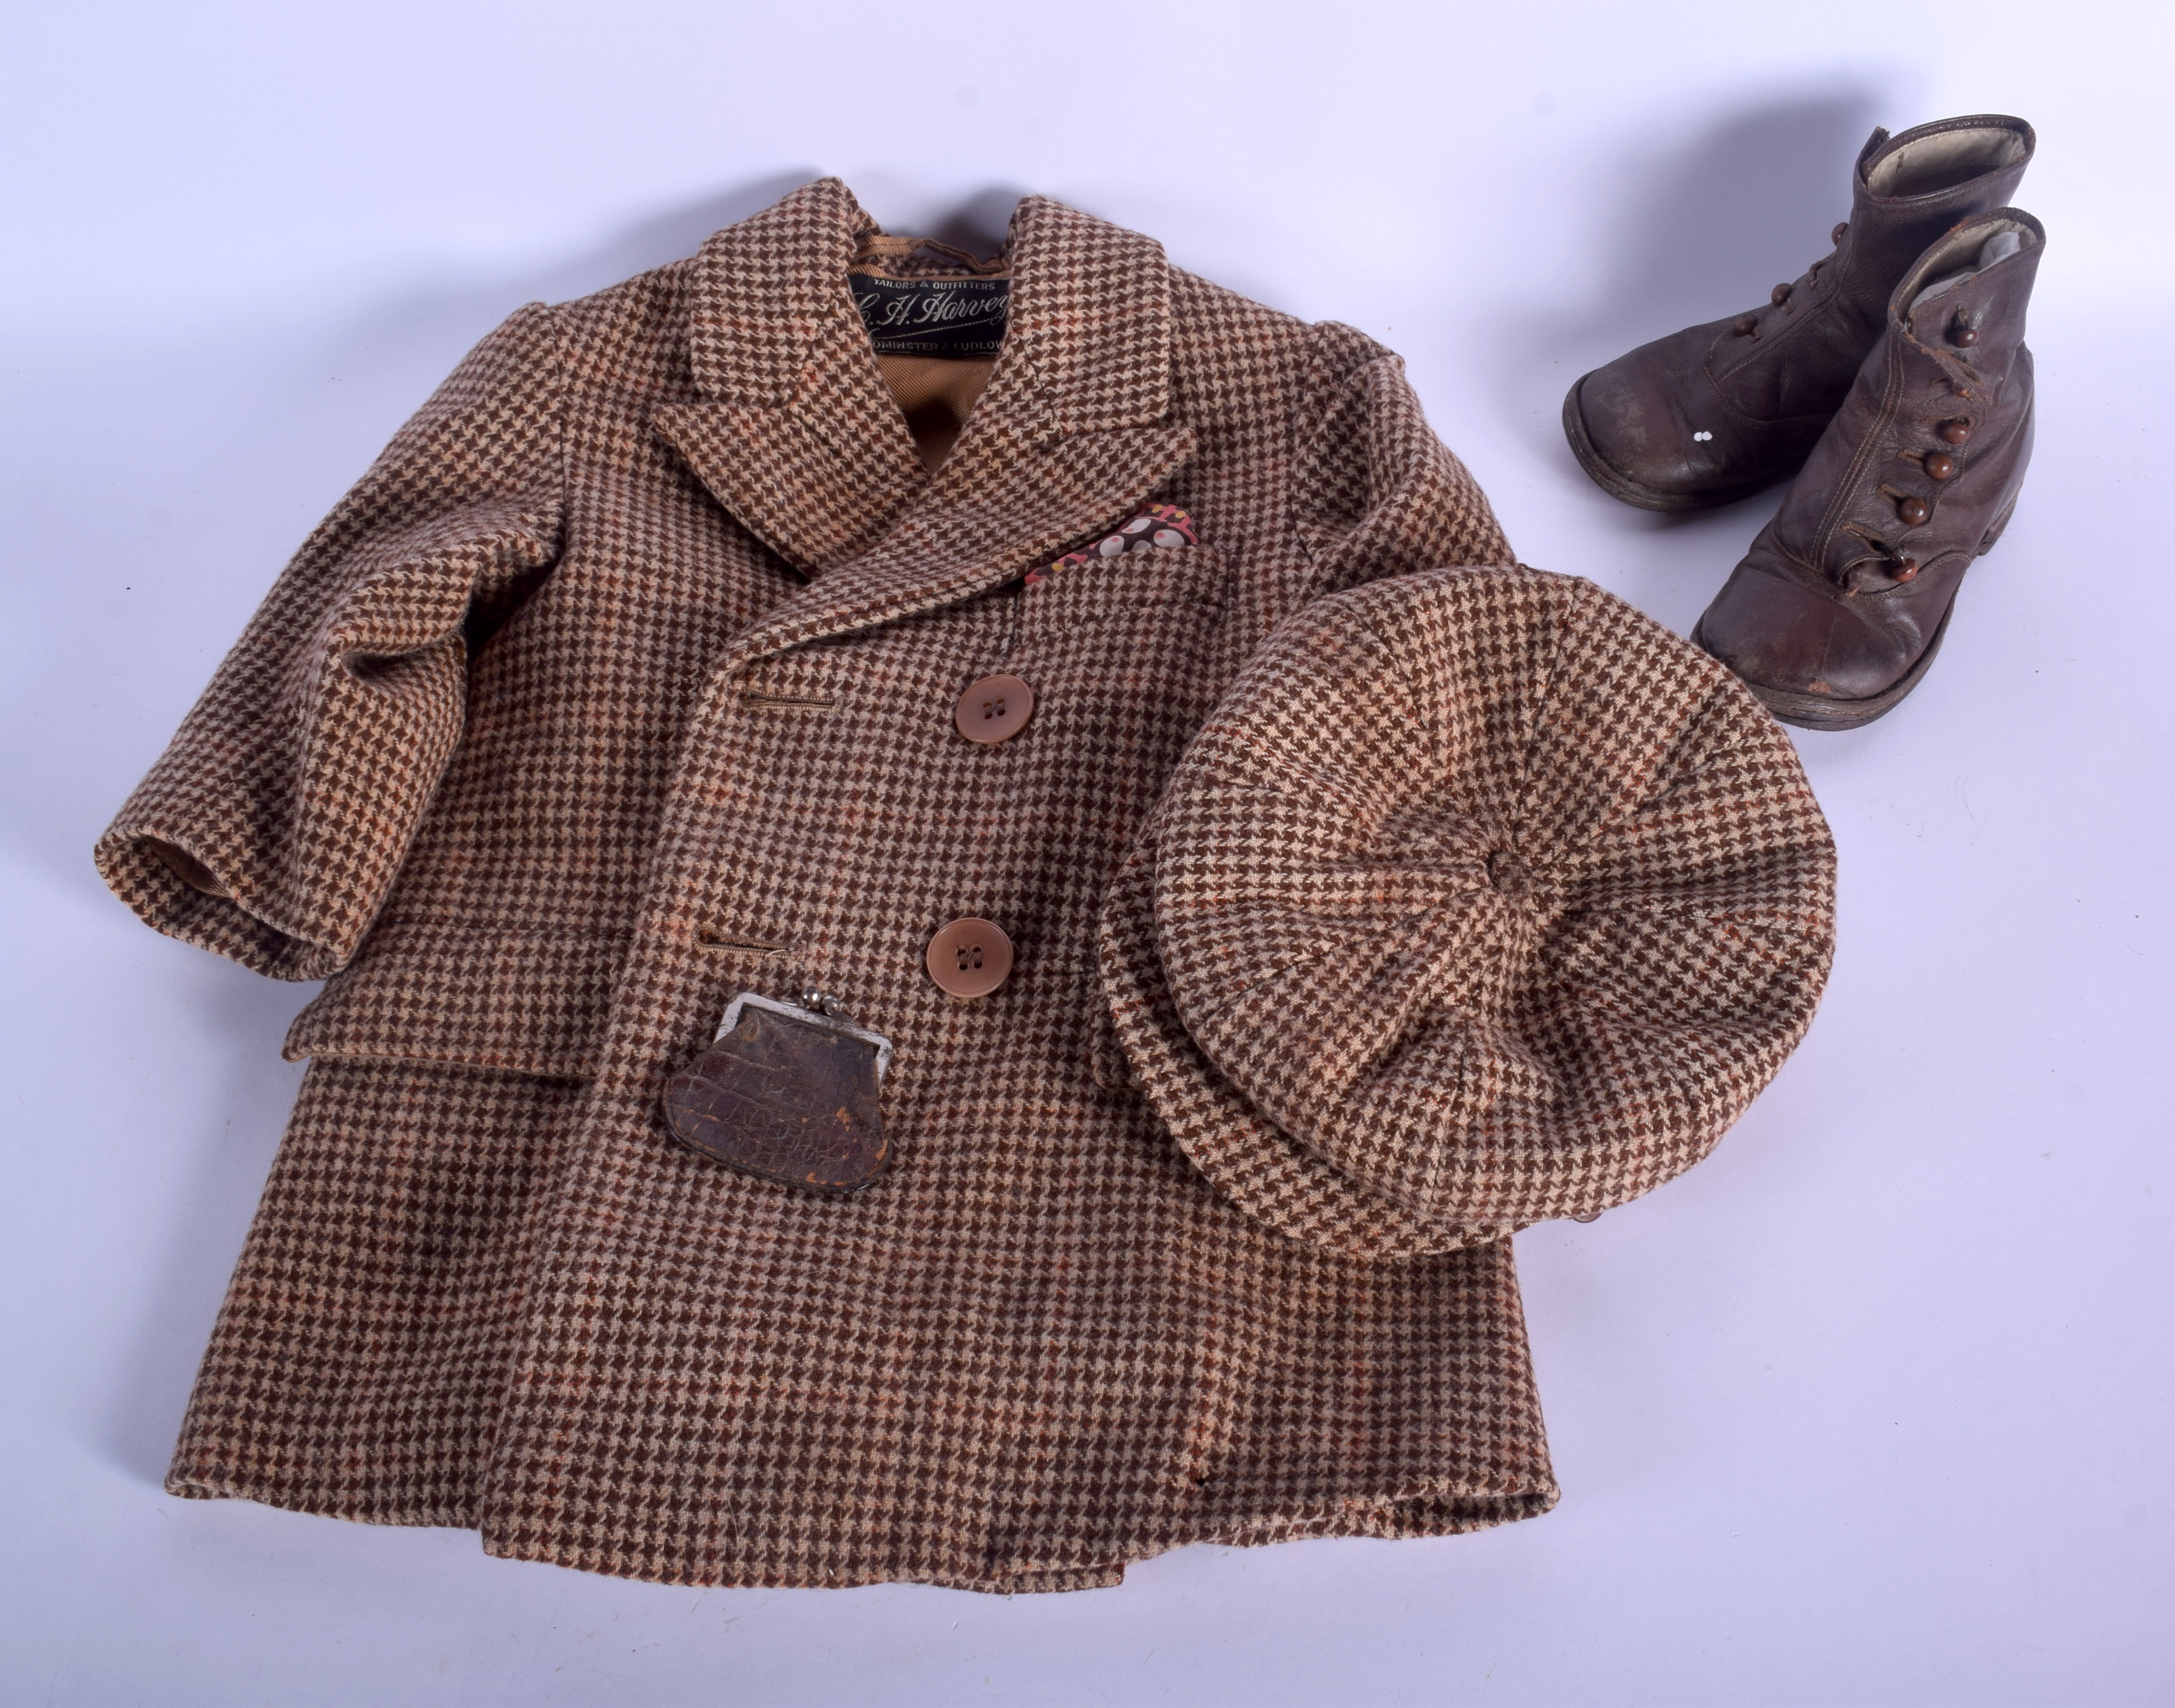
(1664, 230)
(1687, 232)
(978, 225)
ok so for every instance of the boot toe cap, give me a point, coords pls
(1780, 635)
(1630, 429)
(1633, 415)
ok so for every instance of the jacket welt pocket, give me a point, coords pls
(528, 1000)
(1137, 590)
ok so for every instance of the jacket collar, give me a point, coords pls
(795, 433)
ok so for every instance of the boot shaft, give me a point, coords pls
(1968, 307)
(1917, 463)
(1909, 189)
(1713, 412)
(1836, 611)
(1795, 359)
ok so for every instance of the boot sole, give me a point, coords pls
(1631, 491)
(1811, 712)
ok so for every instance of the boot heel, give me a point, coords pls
(1994, 533)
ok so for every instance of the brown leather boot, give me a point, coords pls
(1715, 412)
(1838, 608)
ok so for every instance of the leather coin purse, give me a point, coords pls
(788, 1092)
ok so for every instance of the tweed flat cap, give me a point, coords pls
(1482, 899)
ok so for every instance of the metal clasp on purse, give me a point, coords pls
(788, 1092)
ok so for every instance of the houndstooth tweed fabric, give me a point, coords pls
(623, 683)
(1482, 899)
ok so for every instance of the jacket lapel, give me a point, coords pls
(798, 437)
(810, 495)
(795, 433)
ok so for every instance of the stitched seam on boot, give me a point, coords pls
(1839, 503)
(1775, 341)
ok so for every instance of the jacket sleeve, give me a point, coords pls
(272, 827)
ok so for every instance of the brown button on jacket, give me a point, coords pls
(625, 681)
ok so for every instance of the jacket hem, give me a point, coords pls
(1445, 1508)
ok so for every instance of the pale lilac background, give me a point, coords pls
(1874, 1407)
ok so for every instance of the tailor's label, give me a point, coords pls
(933, 317)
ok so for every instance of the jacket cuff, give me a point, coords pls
(1481, 899)
(147, 865)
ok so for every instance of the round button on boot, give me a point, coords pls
(969, 957)
(995, 709)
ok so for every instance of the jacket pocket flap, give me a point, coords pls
(532, 1002)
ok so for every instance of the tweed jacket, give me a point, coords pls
(1372, 898)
